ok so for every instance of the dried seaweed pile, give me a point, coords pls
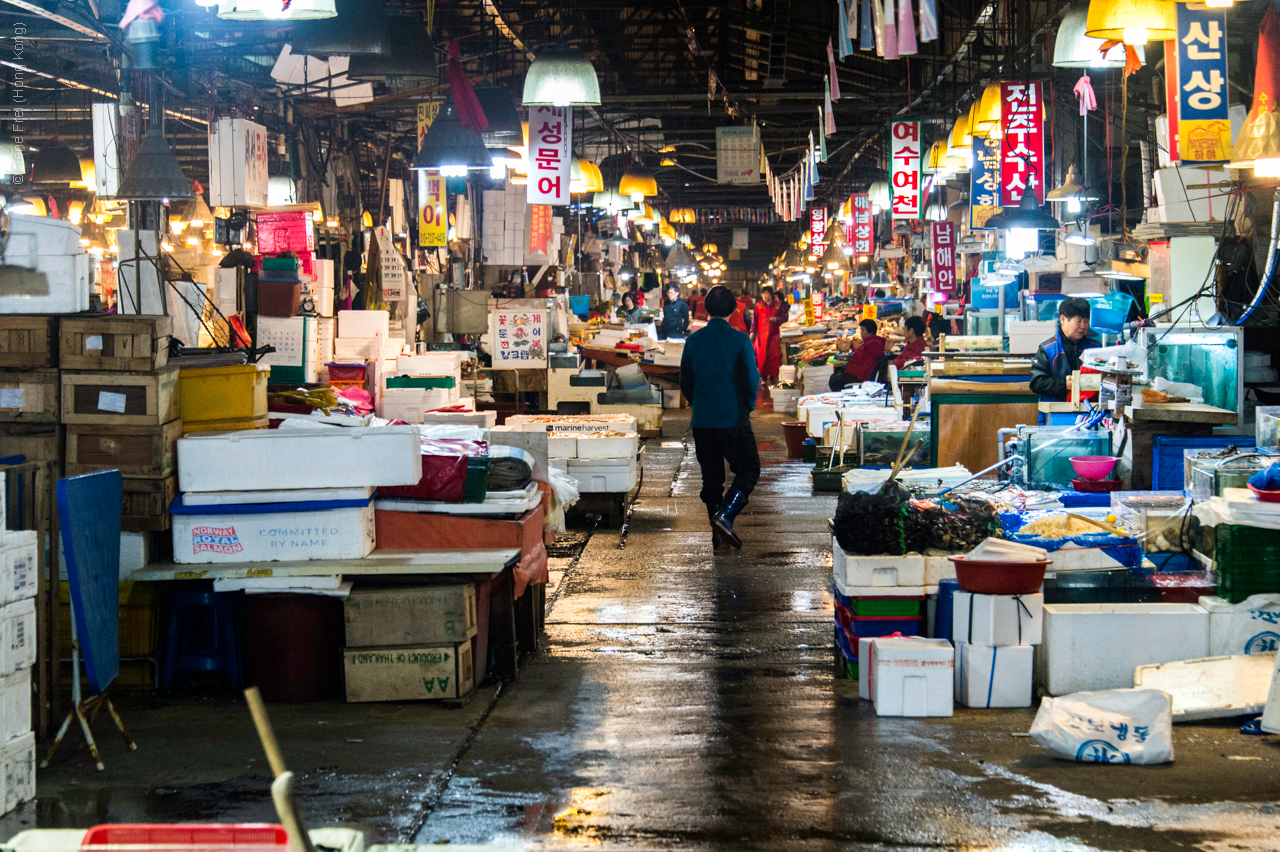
(958, 527)
(890, 523)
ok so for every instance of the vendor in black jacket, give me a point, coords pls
(675, 315)
(1058, 358)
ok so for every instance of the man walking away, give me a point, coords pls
(718, 376)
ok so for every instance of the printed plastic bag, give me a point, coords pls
(1109, 726)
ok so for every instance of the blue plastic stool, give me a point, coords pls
(204, 636)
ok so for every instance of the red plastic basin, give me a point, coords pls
(1000, 578)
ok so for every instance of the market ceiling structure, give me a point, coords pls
(670, 73)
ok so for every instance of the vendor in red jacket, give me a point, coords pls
(917, 341)
(862, 363)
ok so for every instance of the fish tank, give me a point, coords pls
(1048, 451)
(1208, 473)
(1156, 518)
(985, 323)
(1207, 357)
(880, 443)
(1267, 427)
(1041, 306)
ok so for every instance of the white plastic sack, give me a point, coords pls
(1255, 626)
(1109, 726)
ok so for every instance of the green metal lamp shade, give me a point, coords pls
(504, 130)
(413, 54)
(450, 145)
(1027, 214)
(561, 76)
(56, 164)
(154, 174)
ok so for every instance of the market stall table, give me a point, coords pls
(1146, 422)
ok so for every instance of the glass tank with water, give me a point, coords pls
(1206, 357)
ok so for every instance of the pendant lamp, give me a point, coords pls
(561, 76)
(1027, 215)
(276, 10)
(679, 260)
(961, 138)
(936, 213)
(505, 127)
(1074, 49)
(154, 174)
(360, 28)
(878, 194)
(411, 54)
(984, 115)
(618, 239)
(56, 164)
(610, 201)
(933, 161)
(1071, 189)
(638, 182)
(683, 216)
(1133, 22)
(1258, 146)
(584, 176)
(450, 146)
(1079, 236)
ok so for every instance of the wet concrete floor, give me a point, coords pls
(685, 700)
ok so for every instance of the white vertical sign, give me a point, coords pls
(904, 169)
(550, 153)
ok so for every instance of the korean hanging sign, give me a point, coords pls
(904, 169)
(1204, 127)
(818, 231)
(1022, 151)
(550, 144)
(944, 257)
(433, 219)
(984, 182)
(864, 232)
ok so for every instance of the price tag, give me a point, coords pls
(10, 397)
(93, 342)
(870, 311)
(113, 402)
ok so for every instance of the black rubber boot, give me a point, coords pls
(716, 538)
(734, 502)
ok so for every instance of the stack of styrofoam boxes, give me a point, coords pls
(322, 287)
(876, 596)
(18, 578)
(602, 464)
(505, 234)
(816, 378)
(439, 386)
(907, 675)
(995, 637)
(1025, 336)
(246, 495)
(53, 247)
(365, 336)
(1258, 369)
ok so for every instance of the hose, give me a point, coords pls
(1272, 256)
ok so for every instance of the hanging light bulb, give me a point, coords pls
(639, 183)
(561, 76)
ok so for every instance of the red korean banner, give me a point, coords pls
(944, 257)
(550, 147)
(539, 229)
(904, 169)
(818, 231)
(1022, 150)
(863, 239)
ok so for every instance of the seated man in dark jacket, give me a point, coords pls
(1058, 358)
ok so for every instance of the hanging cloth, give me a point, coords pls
(822, 137)
(1084, 91)
(833, 82)
(928, 20)
(867, 30)
(829, 126)
(843, 35)
(906, 29)
(889, 23)
(470, 113)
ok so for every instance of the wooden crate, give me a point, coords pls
(149, 451)
(122, 343)
(120, 399)
(28, 341)
(29, 396)
(146, 503)
(38, 442)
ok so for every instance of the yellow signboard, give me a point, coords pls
(433, 216)
(427, 113)
(870, 311)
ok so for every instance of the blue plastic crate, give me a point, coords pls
(1080, 500)
(1168, 468)
(870, 628)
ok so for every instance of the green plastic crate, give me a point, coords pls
(882, 607)
(287, 263)
(478, 468)
(1248, 561)
(445, 347)
(424, 382)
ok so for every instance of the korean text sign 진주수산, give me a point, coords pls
(1022, 165)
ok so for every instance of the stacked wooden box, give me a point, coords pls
(29, 423)
(120, 406)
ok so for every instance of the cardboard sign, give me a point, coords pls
(904, 169)
(863, 238)
(1204, 127)
(984, 183)
(550, 154)
(433, 218)
(944, 257)
(1022, 164)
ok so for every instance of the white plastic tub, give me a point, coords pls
(607, 476)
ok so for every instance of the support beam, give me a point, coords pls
(56, 18)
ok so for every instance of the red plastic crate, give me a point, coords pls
(210, 835)
(289, 231)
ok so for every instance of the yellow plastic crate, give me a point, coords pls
(141, 617)
(189, 426)
(224, 393)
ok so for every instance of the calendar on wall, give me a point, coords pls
(738, 155)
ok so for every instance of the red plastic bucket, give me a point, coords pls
(795, 433)
(1000, 578)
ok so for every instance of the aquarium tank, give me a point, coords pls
(1048, 451)
(1207, 357)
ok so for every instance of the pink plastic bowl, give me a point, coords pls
(1094, 467)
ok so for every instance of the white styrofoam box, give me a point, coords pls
(876, 571)
(562, 446)
(1098, 646)
(911, 676)
(885, 591)
(998, 620)
(1271, 713)
(19, 771)
(591, 447)
(1249, 627)
(278, 495)
(405, 404)
(289, 536)
(864, 668)
(20, 572)
(364, 324)
(33, 236)
(68, 277)
(1211, 688)
(574, 422)
(989, 676)
(300, 458)
(440, 397)
(609, 476)
(937, 569)
(357, 348)
(237, 169)
(15, 705)
(561, 465)
(1177, 203)
(17, 636)
(430, 364)
(485, 419)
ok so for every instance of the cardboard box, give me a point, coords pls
(993, 677)
(29, 396)
(300, 458)
(411, 615)
(912, 676)
(21, 571)
(998, 619)
(222, 535)
(121, 343)
(17, 636)
(120, 399)
(19, 771)
(406, 673)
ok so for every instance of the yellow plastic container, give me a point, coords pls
(189, 426)
(224, 393)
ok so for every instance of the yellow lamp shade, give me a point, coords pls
(1132, 21)
(683, 216)
(937, 154)
(666, 231)
(1258, 146)
(710, 248)
(367, 219)
(984, 116)
(961, 139)
(584, 176)
(638, 182)
(88, 172)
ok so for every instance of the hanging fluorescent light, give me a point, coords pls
(561, 76)
(276, 10)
